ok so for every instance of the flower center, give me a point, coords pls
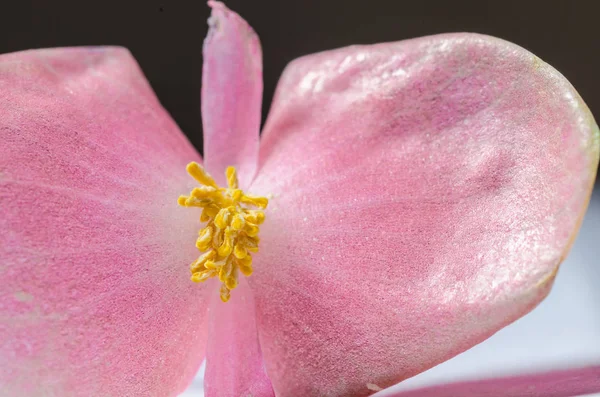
(231, 231)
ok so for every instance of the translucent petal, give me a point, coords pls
(424, 194)
(96, 297)
(231, 95)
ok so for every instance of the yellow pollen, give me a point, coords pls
(231, 230)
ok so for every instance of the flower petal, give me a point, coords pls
(564, 383)
(424, 194)
(560, 333)
(96, 297)
(231, 95)
(234, 363)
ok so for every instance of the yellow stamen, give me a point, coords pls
(222, 218)
(198, 173)
(227, 246)
(245, 265)
(260, 202)
(238, 222)
(205, 238)
(181, 200)
(252, 216)
(200, 263)
(250, 229)
(231, 231)
(240, 251)
(225, 293)
(231, 174)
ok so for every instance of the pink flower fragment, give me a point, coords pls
(566, 383)
(424, 193)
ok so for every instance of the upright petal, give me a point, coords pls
(234, 363)
(231, 95)
(424, 194)
(231, 108)
(564, 383)
(95, 296)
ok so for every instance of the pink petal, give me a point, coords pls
(231, 95)
(234, 363)
(424, 194)
(565, 383)
(95, 297)
(231, 104)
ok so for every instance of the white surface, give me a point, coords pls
(563, 331)
(196, 388)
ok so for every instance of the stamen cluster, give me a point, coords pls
(231, 231)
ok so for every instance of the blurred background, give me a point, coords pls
(166, 39)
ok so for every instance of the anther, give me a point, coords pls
(231, 231)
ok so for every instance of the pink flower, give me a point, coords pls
(422, 196)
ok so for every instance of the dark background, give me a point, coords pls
(166, 36)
